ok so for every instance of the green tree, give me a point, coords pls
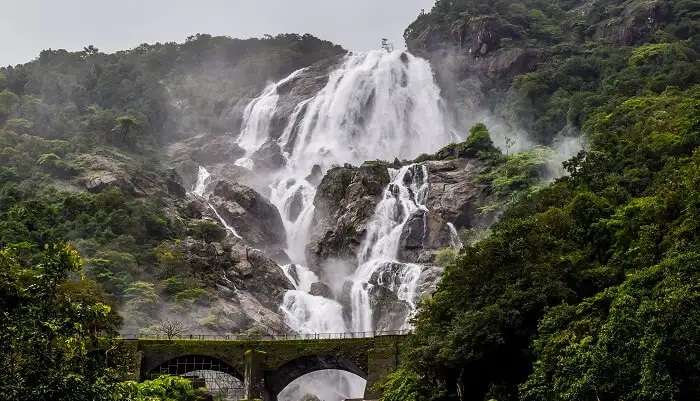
(637, 341)
(126, 131)
(48, 325)
(8, 104)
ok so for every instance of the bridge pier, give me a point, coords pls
(254, 378)
(382, 359)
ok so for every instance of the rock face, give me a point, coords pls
(99, 172)
(269, 157)
(630, 24)
(424, 233)
(474, 47)
(477, 51)
(250, 213)
(345, 200)
(304, 86)
(348, 196)
(206, 150)
(249, 285)
(389, 310)
(321, 290)
(455, 195)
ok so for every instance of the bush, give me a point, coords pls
(163, 388)
(207, 230)
(401, 385)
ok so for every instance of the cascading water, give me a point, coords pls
(380, 247)
(306, 313)
(375, 105)
(455, 241)
(256, 120)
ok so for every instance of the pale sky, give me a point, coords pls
(29, 26)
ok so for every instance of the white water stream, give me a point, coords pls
(375, 105)
(405, 195)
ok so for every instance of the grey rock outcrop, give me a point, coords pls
(456, 192)
(249, 285)
(321, 290)
(105, 170)
(269, 157)
(389, 311)
(206, 150)
(345, 201)
(250, 213)
(304, 86)
(348, 196)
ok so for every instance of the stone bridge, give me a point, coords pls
(266, 367)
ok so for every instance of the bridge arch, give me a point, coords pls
(181, 365)
(278, 379)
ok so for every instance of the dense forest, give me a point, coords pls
(64, 118)
(587, 288)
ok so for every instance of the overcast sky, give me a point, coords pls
(28, 26)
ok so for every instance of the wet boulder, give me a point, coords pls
(389, 312)
(269, 157)
(423, 234)
(321, 290)
(254, 218)
(344, 203)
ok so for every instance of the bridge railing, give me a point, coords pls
(264, 337)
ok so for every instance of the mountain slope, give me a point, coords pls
(587, 289)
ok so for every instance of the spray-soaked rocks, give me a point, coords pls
(206, 150)
(388, 311)
(269, 157)
(345, 201)
(458, 194)
(248, 286)
(250, 214)
(305, 85)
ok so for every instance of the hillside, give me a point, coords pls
(83, 160)
(521, 189)
(588, 289)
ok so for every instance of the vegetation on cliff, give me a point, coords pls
(588, 288)
(80, 163)
(80, 152)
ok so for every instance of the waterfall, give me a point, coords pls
(455, 241)
(257, 117)
(375, 105)
(306, 313)
(378, 251)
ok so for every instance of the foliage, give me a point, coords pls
(49, 325)
(162, 388)
(636, 341)
(517, 175)
(586, 289)
(400, 385)
(478, 144)
(588, 53)
(207, 231)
